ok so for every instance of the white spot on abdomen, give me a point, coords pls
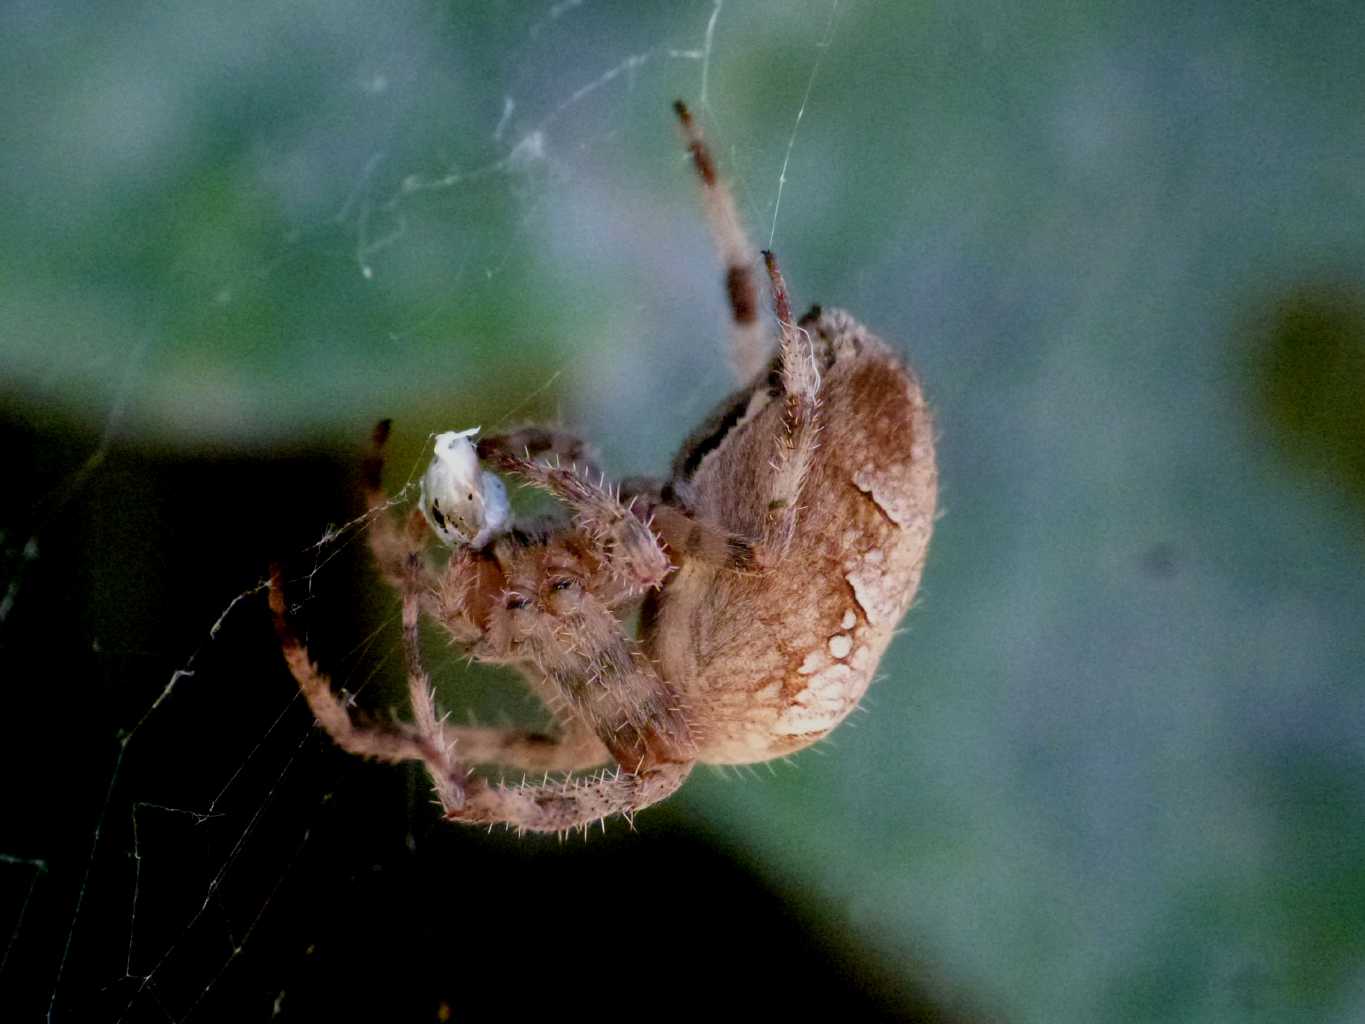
(891, 494)
(820, 706)
(878, 592)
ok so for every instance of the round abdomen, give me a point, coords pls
(768, 663)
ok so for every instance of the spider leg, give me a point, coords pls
(447, 774)
(798, 438)
(576, 747)
(596, 669)
(690, 537)
(573, 803)
(574, 651)
(623, 539)
(687, 535)
(750, 345)
(392, 545)
(536, 442)
(392, 742)
(593, 667)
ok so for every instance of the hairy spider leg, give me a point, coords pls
(685, 534)
(616, 702)
(536, 442)
(799, 377)
(798, 439)
(391, 544)
(593, 670)
(529, 750)
(636, 718)
(447, 775)
(624, 541)
(691, 537)
(393, 742)
(750, 344)
(547, 807)
(570, 804)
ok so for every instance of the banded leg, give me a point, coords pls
(750, 346)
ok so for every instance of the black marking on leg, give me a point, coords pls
(372, 469)
(701, 156)
(739, 286)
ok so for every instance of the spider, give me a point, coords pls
(769, 571)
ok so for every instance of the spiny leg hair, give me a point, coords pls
(393, 742)
(536, 442)
(798, 440)
(625, 542)
(391, 544)
(593, 665)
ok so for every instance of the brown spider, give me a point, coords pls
(769, 571)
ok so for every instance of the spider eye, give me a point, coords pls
(562, 584)
(516, 602)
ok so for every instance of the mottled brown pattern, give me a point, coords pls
(734, 644)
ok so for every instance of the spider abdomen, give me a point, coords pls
(768, 663)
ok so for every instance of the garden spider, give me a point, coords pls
(769, 570)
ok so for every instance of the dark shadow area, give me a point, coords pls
(200, 852)
(1311, 385)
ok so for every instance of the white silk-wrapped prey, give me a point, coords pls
(463, 503)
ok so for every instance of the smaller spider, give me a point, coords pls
(769, 571)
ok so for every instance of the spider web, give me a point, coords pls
(189, 813)
(1113, 770)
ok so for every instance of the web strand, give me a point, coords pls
(821, 47)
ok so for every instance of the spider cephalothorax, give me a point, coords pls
(770, 569)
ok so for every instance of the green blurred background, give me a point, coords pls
(1114, 768)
